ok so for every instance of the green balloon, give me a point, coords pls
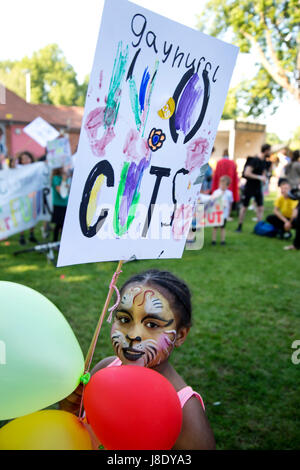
(40, 359)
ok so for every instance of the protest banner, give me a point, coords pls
(25, 198)
(41, 131)
(154, 102)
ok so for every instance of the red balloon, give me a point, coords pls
(133, 408)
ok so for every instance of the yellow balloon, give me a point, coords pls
(45, 430)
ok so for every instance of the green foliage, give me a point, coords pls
(231, 110)
(273, 139)
(295, 142)
(269, 27)
(53, 80)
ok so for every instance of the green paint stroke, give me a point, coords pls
(120, 230)
(115, 89)
(25, 211)
(134, 100)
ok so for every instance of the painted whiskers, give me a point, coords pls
(150, 348)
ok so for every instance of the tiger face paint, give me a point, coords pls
(144, 329)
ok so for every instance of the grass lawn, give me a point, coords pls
(246, 304)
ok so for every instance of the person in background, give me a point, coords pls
(285, 211)
(269, 169)
(207, 182)
(12, 163)
(296, 224)
(2, 151)
(284, 159)
(25, 158)
(228, 167)
(255, 174)
(227, 199)
(292, 170)
(60, 188)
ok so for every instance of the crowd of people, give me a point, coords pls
(60, 188)
(238, 192)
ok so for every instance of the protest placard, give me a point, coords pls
(213, 215)
(25, 198)
(41, 131)
(154, 102)
(59, 153)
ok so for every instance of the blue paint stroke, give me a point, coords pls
(143, 87)
(187, 104)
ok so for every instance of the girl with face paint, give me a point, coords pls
(154, 317)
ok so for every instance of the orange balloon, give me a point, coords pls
(45, 430)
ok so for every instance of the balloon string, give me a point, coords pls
(113, 286)
(90, 354)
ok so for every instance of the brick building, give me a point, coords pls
(16, 113)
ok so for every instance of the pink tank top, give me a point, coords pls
(184, 394)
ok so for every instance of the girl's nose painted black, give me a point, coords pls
(137, 338)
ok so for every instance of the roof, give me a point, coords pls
(16, 109)
(66, 116)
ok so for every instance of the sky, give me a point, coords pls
(29, 25)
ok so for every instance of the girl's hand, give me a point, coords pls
(72, 402)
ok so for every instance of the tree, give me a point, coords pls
(231, 109)
(53, 80)
(273, 139)
(271, 28)
(295, 142)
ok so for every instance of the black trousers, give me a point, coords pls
(276, 222)
(296, 225)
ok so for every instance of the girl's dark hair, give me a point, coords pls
(180, 296)
(28, 155)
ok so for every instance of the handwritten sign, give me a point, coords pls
(59, 153)
(213, 215)
(135, 180)
(41, 131)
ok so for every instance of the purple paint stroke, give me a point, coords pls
(132, 186)
(130, 147)
(187, 104)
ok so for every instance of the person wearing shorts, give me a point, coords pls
(255, 173)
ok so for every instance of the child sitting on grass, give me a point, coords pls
(227, 200)
(285, 211)
(152, 318)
